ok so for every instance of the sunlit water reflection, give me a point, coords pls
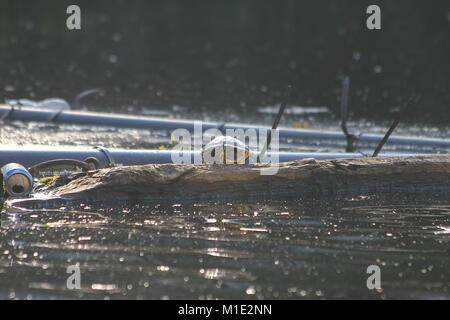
(295, 249)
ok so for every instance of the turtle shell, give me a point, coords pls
(225, 149)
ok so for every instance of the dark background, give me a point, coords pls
(231, 54)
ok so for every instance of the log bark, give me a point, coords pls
(304, 178)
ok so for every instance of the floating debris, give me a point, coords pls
(295, 110)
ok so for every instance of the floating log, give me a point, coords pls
(306, 178)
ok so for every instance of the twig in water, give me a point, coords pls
(401, 112)
(287, 94)
(344, 104)
(351, 138)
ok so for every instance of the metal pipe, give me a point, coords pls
(138, 122)
(17, 180)
(30, 156)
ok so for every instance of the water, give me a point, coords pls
(228, 61)
(278, 250)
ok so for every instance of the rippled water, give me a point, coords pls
(295, 249)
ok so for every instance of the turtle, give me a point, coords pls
(225, 150)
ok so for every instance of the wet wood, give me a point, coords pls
(303, 178)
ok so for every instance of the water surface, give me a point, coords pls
(271, 250)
